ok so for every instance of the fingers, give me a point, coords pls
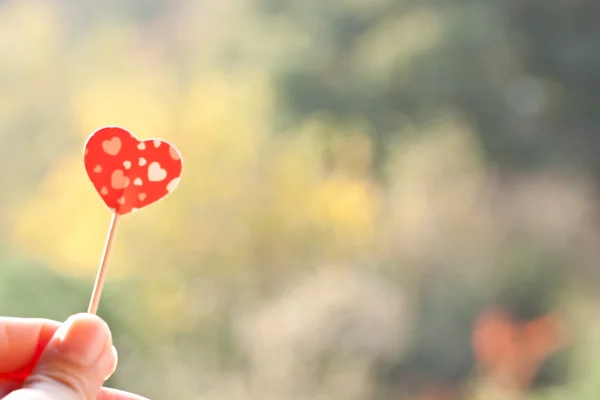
(113, 394)
(22, 342)
(105, 394)
(75, 363)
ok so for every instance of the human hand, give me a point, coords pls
(45, 360)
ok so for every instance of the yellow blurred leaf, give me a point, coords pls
(65, 223)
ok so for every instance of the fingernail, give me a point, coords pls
(115, 361)
(83, 339)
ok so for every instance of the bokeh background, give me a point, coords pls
(381, 199)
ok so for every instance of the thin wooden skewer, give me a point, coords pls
(101, 276)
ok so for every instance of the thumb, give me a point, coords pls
(75, 363)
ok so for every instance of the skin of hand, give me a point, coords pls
(45, 360)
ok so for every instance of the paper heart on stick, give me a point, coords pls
(130, 174)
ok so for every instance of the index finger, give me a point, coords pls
(22, 341)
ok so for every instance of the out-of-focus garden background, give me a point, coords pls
(381, 199)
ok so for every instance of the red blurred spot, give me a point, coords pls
(512, 352)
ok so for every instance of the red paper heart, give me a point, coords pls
(130, 174)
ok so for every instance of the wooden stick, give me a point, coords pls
(101, 276)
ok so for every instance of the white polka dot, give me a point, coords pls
(142, 161)
(157, 143)
(174, 153)
(134, 210)
(121, 200)
(173, 185)
(112, 147)
(141, 146)
(118, 180)
(104, 191)
(127, 164)
(138, 182)
(98, 169)
(156, 173)
(142, 196)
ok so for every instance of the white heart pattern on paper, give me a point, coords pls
(156, 173)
